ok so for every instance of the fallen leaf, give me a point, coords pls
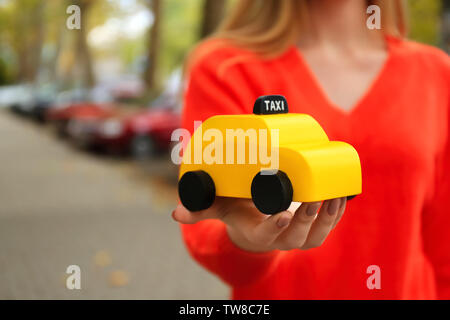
(118, 278)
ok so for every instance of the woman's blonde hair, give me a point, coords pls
(269, 27)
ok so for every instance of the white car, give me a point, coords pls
(19, 97)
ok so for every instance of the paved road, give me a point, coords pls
(60, 206)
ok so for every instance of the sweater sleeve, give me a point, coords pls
(213, 90)
(437, 214)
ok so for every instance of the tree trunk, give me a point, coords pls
(154, 46)
(53, 64)
(36, 43)
(27, 34)
(213, 11)
(22, 55)
(446, 26)
(82, 45)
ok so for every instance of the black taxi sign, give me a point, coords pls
(271, 104)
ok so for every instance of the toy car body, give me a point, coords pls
(310, 166)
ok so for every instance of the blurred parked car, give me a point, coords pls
(47, 100)
(61, 116)
(8, 95)
(43, 97)
(141, 134)
(127, 88)
(18, 98)
(99, 94)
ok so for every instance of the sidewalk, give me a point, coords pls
(60, 206)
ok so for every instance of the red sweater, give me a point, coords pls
(400, 223)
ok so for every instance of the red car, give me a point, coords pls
(61, 116)
(141, 133)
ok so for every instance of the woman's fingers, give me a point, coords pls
(254, 230)
(183, 215)
(258, 236)
(268, 230)
(307, 228)
(296, 234)
(218, 210)
(323, 223)
(256, 227)
(341, 211)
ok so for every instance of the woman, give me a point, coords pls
(386, 96)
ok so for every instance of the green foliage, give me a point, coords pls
(179, 32)
(4, 76)
(425, 17)
(180, 28)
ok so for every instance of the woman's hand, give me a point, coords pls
(249, 229)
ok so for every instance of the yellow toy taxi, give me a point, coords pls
(271, 156)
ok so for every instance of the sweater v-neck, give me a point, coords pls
(319, 91)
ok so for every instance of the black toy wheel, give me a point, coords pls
(196, 190)
(272, 193)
